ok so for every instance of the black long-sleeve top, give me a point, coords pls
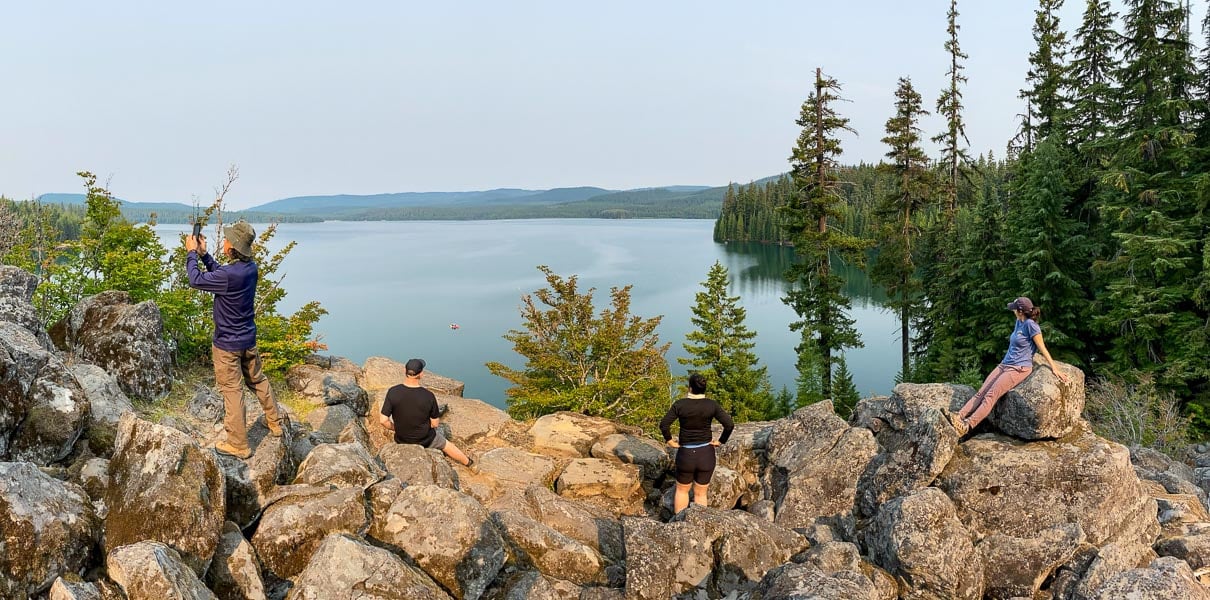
(695, 415)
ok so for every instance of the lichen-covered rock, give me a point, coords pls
(448, 534)
(125, 339)
(611, 485)
(17, 288)
(21, 358)
(550, 552)
(744, 547)
(380, 373)
(919, 539)
(250, 482)
(1193, 547)
(107, 403)
(235, 572)
(1042, 407)
(413, 464)
(153, 571)
(1167, 578)
(467, 421)
(292, 528)
(320, 386)
(836, 557)
(1019, 489)
(517, 467)
(808, 582)
(911, 459)
(1017, 567)
(73, 589)
(328, 421)
(47, 529)
(908, 401)
(339, 465)
(815, 460)
(594, 527)
(645, 452)
(665, 560)
(57, 411)
(725, 491)
(206, 404)
(533, 585)
(346, 568)
(569, 434)
(164, 488)
(1176, 477)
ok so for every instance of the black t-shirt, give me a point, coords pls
(695, 415)
(410, 408)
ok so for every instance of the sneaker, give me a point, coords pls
(229, 450)
(276, 431)
(958, 423)
(472, 465)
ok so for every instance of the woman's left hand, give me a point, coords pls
(1062, 377)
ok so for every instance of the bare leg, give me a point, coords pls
(681, 498)
(453, 452)
(700, 494)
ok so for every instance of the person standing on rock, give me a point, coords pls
(234, 351)
(695, 455)
(1018, 363)
(410, 411)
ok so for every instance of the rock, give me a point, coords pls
(339, 465)
(1092, 567)
(594, 527)
(1177, 510)
(76, 589)
(107, 403)
(919, 539)
(57, 411)
(1018, 489)
(612, 485)
(346, 568)
(125, 339)
(907, 403)
(1016, 567)
(1041, 407)
(448, 534)
(726, 489)
(744, 547)
(164, 488)
(665, 560)
(334, 363)
(746, 453)
(17, 288)
(325, 387)
(415, 465)
(467, 421)
(808, 582)
(292, 528)
(153, 571)
(21, 358)
(47, 529)
(1165, 579)
(518, 467)
(569, 434)
(1194, 548)
(550, 552)
(843, 560)
(815, 459)
(1177, 478)
(532, 585)
(93, 476)
(206, 405)
(380, 373)
(644, 452)
(250, 483)
(235, 573)
(910, 460)
(356, 433)
(328, 421)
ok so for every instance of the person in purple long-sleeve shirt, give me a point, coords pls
(234, 351)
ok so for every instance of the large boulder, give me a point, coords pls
(512, 466)
(73, 589)
(550, 552)
(379, 374)
(250, 482)
(292, 528)
(1166, 579)
(468, 421)
(919, 540)
(1175, 477)
(595, 527)
(448, 534)
(164, 488)
(125, 339)
(666, 560)
(745, 547)
(569, 434)
(1017, 567)
(1019, 489)
(642, 451)
(534, 585)
(57, 411)
(1042, 407)
(612, 485)
(346, 568)
(843, 560)
(815, 460)
(908, 401)
(339, 465)
(47, 529)
(327, 422)
(107, 404)
(1191, 546)
(235, 572)
(153, 571)
(413, 464)
(746, 453)
(809, 582)
(320, 387)
(17, 288)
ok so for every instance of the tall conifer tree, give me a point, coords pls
(954, 157)
(1047, 79)
(1092, 84)
(816, 294)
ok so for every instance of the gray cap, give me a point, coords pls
(1022, 304)
(240, 235)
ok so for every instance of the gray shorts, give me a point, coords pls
(438, 442)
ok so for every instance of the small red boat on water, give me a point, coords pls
(455, 326)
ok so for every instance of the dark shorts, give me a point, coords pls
(695, 465)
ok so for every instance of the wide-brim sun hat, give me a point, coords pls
(240, 235)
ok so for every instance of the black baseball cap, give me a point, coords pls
(414, 366)
(1022, 304)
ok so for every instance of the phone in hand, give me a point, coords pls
(197, 231)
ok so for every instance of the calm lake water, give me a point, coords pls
(393, 288)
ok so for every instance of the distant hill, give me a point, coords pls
(343, 205)
(175, 212)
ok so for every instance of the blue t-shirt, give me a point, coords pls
(1021, 346)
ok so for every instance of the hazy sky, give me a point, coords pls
(386, 96)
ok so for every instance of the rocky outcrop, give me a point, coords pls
(47, 529)
(164, 488)
(569, 434)
(107, 403)
(551, 553)
(17, 288)
(346, 568)
(380, 373)
(339, 465)
(611, 485)
(43, 411)
(412, 464)
(153, 571)
(125, 339)
(1166, 578)
(292, 527)
(235, 572)
(1042, 407)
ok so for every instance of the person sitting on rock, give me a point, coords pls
(1018, 363)
(234, 348)
(411, 412)
(695, 456)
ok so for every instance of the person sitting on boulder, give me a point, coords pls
(695, 455)
(1018, 363)
(234, 348)
(410, 411)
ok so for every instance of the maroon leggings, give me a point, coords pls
(1002, 379)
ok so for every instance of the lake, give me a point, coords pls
(393, 288)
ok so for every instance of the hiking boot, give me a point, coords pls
(472, 465)
(958, 423)
(276, 430)
(229, 450)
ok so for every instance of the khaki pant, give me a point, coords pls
(1002, 379)
(230, 369)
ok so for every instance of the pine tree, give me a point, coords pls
(844, 394)
(1092, 82)
(720, 347)
(816, 296)
(954, 158)
(1046, 80)
(900, 210)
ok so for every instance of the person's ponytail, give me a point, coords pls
(1034, 315)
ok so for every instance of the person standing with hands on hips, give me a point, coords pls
(695, 455)
(1018, 363)
(234, 351)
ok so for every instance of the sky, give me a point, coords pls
(364, 97)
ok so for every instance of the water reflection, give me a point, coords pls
(760, 269)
